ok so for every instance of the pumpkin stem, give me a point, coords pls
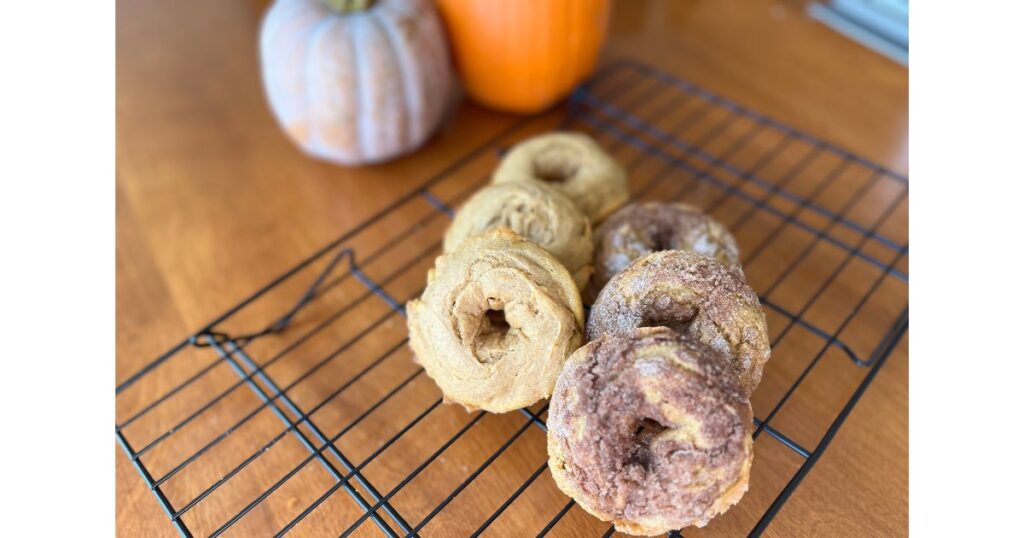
(348, 6)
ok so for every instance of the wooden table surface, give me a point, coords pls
(213, 202)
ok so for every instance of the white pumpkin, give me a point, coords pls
(355, 87)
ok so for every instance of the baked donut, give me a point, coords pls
(574, 163)
(537, 212)
(642, 228)
(694, 295)
(496, 322)
(651, 430)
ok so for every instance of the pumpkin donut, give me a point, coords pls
(574, 163)
(642, 228)
(694, 295)
(496, 322)
(538, 212)
(651, 430)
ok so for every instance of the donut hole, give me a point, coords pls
(494, 338)
(661, 241)
(495, 324)
(555, 166)
(644, 433)
(674, 315)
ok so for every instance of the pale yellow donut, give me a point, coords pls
(572, 162)
(536, 211)
(457, 332)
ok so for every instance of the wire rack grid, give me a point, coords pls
(320, 423)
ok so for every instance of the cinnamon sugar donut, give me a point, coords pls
(650, 429)
(536, 211)
(694, 295)
(642, 228)
(573, 163)
(496, 322)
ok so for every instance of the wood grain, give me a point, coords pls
(212, 202)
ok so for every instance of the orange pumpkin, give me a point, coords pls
(524, 55)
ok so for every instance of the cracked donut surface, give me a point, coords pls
(536, 211)
(642, 228)
(496, 322)
(572, 163)
(651, 430)
(694, 295)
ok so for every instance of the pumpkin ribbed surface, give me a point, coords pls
(358, 87)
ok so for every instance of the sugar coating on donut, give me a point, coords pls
(538, 212)
(572, 163)
(694, 295)
(650, 430)
(639, 229)
(496, 322)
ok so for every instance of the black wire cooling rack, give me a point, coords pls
(300, 410)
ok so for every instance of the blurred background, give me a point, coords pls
(203, 166)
